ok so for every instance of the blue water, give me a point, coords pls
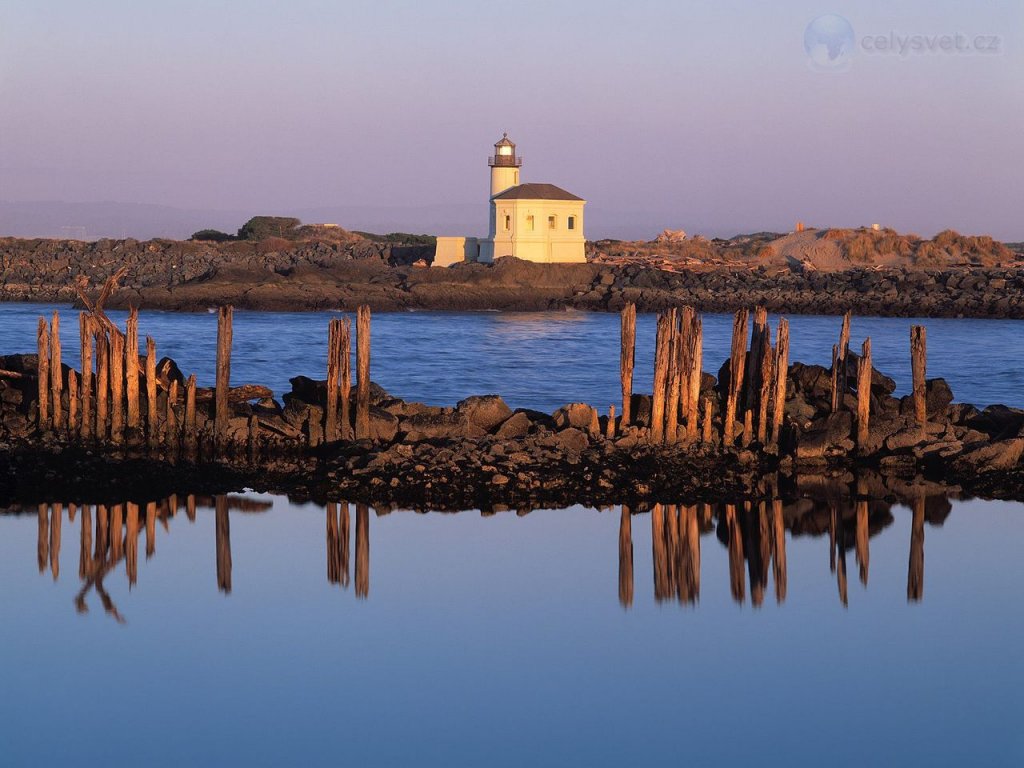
(536, 360)
(502, 641)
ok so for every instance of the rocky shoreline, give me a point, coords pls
(480, 453)
(279, 275)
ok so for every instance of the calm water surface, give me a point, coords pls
(269, 633)
(535, 360)
(251, 634)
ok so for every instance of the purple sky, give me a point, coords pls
(708, 117)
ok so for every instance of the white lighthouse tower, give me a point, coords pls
(504, 165)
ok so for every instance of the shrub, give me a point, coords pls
(262, 227)
(212, 235)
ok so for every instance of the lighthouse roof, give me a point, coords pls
(505, 141)
(535, 192)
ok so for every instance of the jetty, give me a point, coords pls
(128, 414)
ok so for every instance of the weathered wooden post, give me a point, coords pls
(72, 403)
(627, 359)
(737, 578)
(662, 346)
(42, 536)
(171, 428)
(840, 354)
(767, 359)
(152, 414)
(674, 378)
(362, 372)
(737, 361)
(85, 544)
(781, 379)
(222, 412)
(625, 558)
(864, 394)
(116, 387)
(85, 336)
(862, 541)
(345, 342)
(43, 373)
(918, 361)
(191, 435)
(102, 381)
(333, 375)
(131, 368)
(56, 373)
(693, 377)
(609, 430)
(758, 342)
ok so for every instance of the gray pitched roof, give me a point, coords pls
(536, 192)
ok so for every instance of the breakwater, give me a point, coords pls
(139, 415)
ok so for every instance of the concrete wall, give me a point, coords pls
(455, 250)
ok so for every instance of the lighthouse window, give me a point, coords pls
(529, 223)
(552, 222)
(508, 222)
(571, 222)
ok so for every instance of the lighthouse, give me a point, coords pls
(533, 221)
(504, 165)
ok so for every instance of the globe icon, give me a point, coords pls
(829, 43)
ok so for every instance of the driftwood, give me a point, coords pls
(239, 394)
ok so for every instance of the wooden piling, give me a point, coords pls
(362, 372)
(693, 377)
(675, 374)
(131, 368)
(152, 415)
(840, 355)
(72, 402)
(171, 427)
(758, 344)
(781, 379)
(779, 551)
(333, 375)
(191, 435)
(609, 431)
(131, 543)
(222, 413)
(864, 394)
(85, 336)
(662, 348)
(345, 342)
(627, 359)
(56, 374)
(43, 373)
(116, 387)
(918, 360)
(765, 383)
(737, 361)
(102, 382)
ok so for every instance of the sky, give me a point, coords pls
(706, 116)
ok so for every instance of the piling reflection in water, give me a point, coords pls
(753, 535)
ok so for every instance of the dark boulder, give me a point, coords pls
(485, 411)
